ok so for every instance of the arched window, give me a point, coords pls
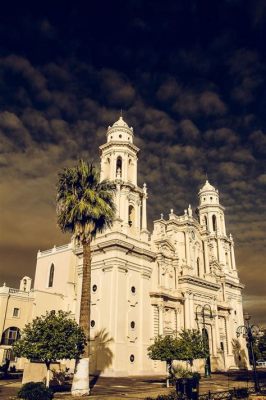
(119, 167)
(131, 216)
(130, 170)
(206, 222)
(214, 226)
(51, 276)
(198, 266)
(10, 335)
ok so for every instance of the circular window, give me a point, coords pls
(133, 289)
(94, 288)
(92, 323)
(132, 324)
(132, 358)
(128, 138)
(120, 136)
(111, 137)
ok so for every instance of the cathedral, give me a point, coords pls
(182, 275)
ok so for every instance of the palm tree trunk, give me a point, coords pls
(85, 301)
(80, 384)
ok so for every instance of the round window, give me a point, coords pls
(132, 358)
(94, 288)
(92, 323)
(132, 324)
(120, 136)
(133, 289)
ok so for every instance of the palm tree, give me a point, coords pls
(85, 207)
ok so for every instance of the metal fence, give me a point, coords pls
(235, 393)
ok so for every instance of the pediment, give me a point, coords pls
(166, 248)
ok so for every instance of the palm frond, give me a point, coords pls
(85, 206)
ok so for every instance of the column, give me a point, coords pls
(176, 319)
(220, 252)
(187, 311)
(206, 256)
(224, 229)
(160, 320)
(112, 172)
(138, 213)
(124, 167)
(191, 311)
(228, 329)
(187, 248)
(118, 201)
(215, 333)
(180, 323)
(144, 210)
(135, 172)
(233, 261)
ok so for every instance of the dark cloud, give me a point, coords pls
(190, 80)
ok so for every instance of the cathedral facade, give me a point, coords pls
(182, 275)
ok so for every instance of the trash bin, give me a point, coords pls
(188, 387)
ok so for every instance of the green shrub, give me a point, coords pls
(170, 396)
(35, 391)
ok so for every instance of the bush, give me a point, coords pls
(35, 391)
(170, 396)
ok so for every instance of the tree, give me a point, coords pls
(191, 346)
(85, 207)
(164, 349)
(187, 346)
(49, 338)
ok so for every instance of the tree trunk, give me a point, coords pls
(85, 301)
(169, 367)
(80, 385)
(47, 374)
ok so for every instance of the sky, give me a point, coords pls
(190, 77)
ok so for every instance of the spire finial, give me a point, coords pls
(206, 173)
(121, 113)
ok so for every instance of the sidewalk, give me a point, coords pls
(136, 388)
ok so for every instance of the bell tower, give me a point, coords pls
(211, 218)
(119, 163)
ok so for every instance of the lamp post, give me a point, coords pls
(205, 338)
(249, 332)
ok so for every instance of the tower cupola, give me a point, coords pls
(120, 132)
(211, 212)
(208, 195)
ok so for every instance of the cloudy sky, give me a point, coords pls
(190, 77)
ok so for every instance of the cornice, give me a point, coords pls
(230, 283)
(193, 280)
(107, 145)
(211, 205)
(120, 244)
(166, 296)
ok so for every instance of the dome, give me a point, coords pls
(120, 123)
(120, 132)
(207, 187)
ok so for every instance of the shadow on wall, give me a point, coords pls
(239, 355)
(101, 355)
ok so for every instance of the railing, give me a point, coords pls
(235, 393)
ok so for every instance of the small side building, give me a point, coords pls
(15, 312)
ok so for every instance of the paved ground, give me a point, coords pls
(136, 388)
